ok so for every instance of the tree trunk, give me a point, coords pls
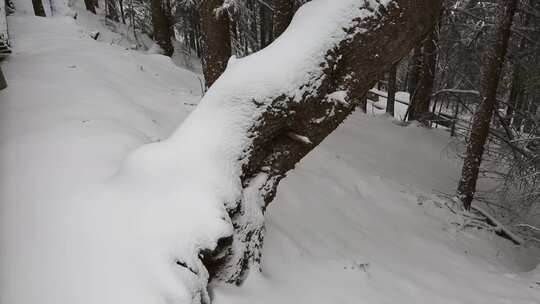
(520, 109)
(484, 112)
(531, 121)
(283, 13)
(90, 6)
(271, 124)
(121, 5)
(414, 70)
(39, 10)
(421, 97)
(112, 13)
(454, 119)
(3, 82)
(161, 28)
(363, 103)
(391, 90)
(216, 40)
(515, 92)
(265, 40)
(516, 86)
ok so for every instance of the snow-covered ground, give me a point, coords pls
(356, 222)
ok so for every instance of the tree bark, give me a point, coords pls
(362, 104)
(531, 121)
(162, 28)
(484, 112)
(414, 70)
(112, 13)
(421, 97)
(39, 10)
(121, 5)
(216, 40)
(516, 86)
(283, 13)
(391, 90)
(90, 6)
(3, 82)
(515, 92)
(265, 39)
(279, 126)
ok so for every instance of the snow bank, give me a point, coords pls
(73, 229)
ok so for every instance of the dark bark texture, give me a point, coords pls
(482, 117)
(3, 82)
(112, 12)
(391, 90)
(421, 97)
(39, 10)
(90, 6)
(162, 28)
(122, 15)
(216, 40)
(283, 13)
(276, 146)
(515, 98)
(414, 70)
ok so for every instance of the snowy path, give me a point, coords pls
(355, 223)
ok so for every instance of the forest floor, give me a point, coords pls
(360, 220)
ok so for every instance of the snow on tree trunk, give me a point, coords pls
(268, 110)
(482, 117)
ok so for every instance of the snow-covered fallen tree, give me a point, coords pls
(190, 208)
(268, 110)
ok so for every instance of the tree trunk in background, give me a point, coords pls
(3, 82)
(515, 97)
(482, 117)
(283, 13)
(391, 90)
(161, 27)
(288, 125)
(39, 10)
(112, 12)
(90, 6)
(414, 70)
(515, 92)
(520, 107)
(121, 5)
(421, 98)
(363, 104)
(531, 121)
(216, 40)
(265, 40)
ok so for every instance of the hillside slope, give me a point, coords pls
(356, 222)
